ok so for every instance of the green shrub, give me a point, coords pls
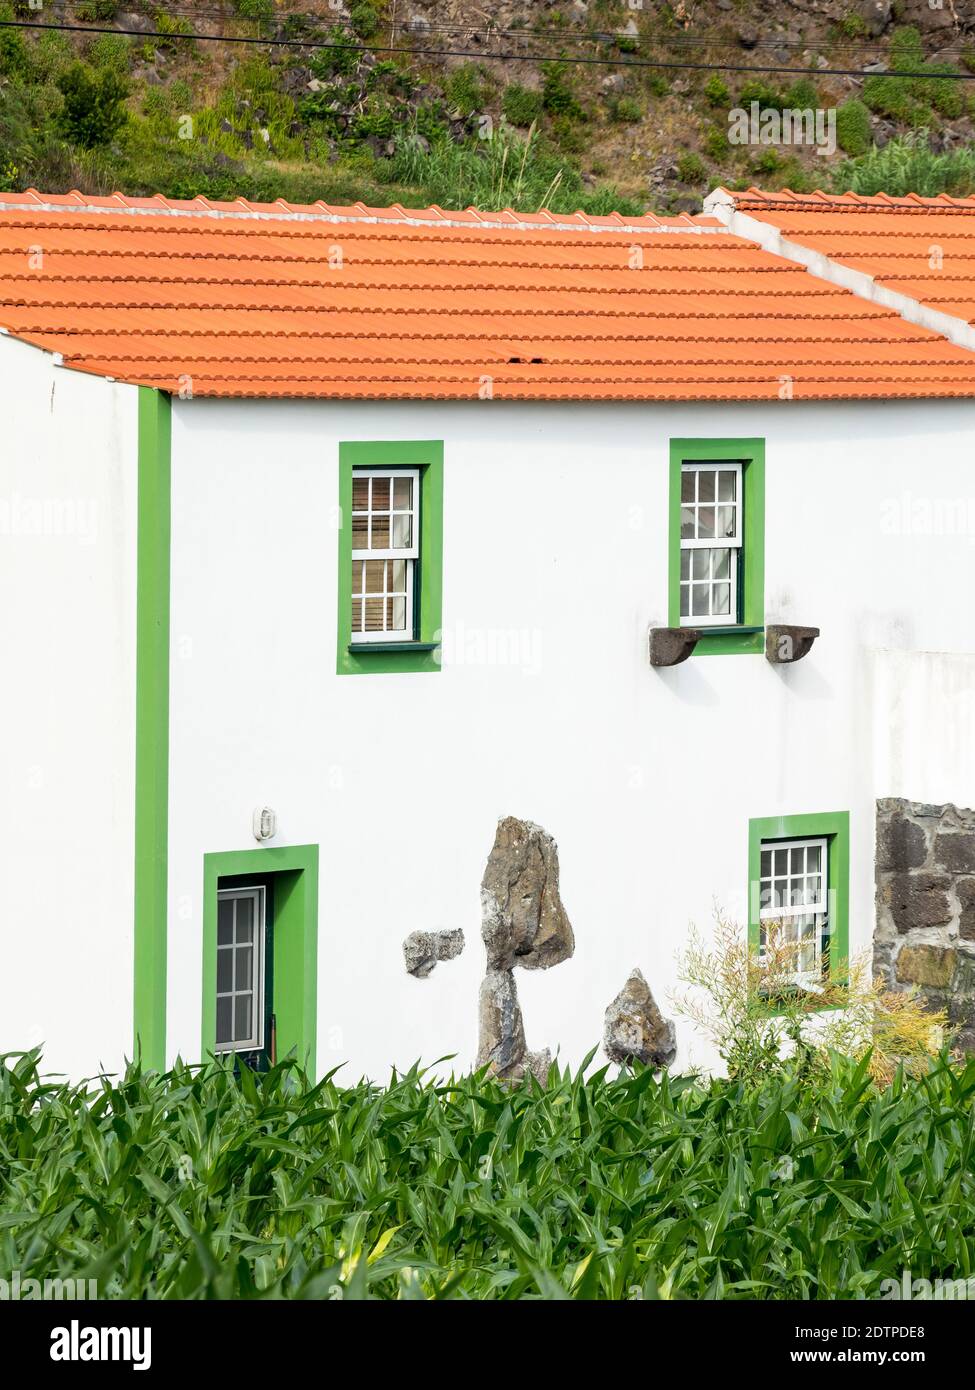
(97, 11)
(14, 53)
(802, 95)
(716, 91)
(521, 106)
(465, 89)
(853, 133)
(691, 168)
(110, 51)
(558, 97)
(364, 19)
(254, 9)
(195, 1184)
(909, 165)
(93, 111)
(626, 109)
(716, 142)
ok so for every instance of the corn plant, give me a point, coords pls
(201, 1184)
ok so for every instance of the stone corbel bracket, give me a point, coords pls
(786, 643)
(669, 646)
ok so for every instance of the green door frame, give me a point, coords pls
(294, 871)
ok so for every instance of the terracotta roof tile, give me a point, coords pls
(920, 247)
(272, 299)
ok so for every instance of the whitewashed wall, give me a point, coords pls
(67, 727)
(555, 528)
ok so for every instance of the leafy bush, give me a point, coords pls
(465, 90)
(690, 168)
(762, 1024)
(909, 165)
(521, 106)
(853, 133)
(506, 171)
(364, 19)
(195, 1184)
(93, 111)
(254, 9)
(716, 91)
(558, 98)
(626, 109)
(98, 11)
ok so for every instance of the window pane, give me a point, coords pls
(699, 564)
(380, 532)
(722, 564)
(722, 600)
(224, 1016)
(781, 861)
(375, 576)
(360, 533)
(380, 494)
(685, 602)
(242, 1017)
(360, 493)
(398, 569)
(356, 615)
(402, 535)
(245, 968)
(705, 485)
(374, 615)
(812, 859)
(403, 493)
(245, 919)
(687, 523)
(396, 614)
(795, 860)
(726, 521)
(726, 486)
(225, 921)
(705, 523)
(357, 576)
(225, 971)
(766, 863)
(700, 606)
(685, 564)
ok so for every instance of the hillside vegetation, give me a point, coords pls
(155, 110)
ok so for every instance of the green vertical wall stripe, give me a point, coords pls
(834, 826)
(294, 874)
(751, 452)
(427, 455)
(152, 726)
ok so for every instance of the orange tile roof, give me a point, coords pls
(243, 299)
(920, 247)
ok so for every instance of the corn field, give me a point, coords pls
(200, 1184)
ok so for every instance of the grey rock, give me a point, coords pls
(635, 1029)
(918, 900)
(901, 844)
(954, 850)
(523, 921)
(422, 950)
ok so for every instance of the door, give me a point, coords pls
(245, 972)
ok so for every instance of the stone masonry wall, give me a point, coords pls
(925, 926)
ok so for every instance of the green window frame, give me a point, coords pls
(423, 652)
(749, 635)
(834, 827)
(293, 872)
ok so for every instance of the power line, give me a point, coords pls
(656, 64)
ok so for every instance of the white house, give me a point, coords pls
(388, 524)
